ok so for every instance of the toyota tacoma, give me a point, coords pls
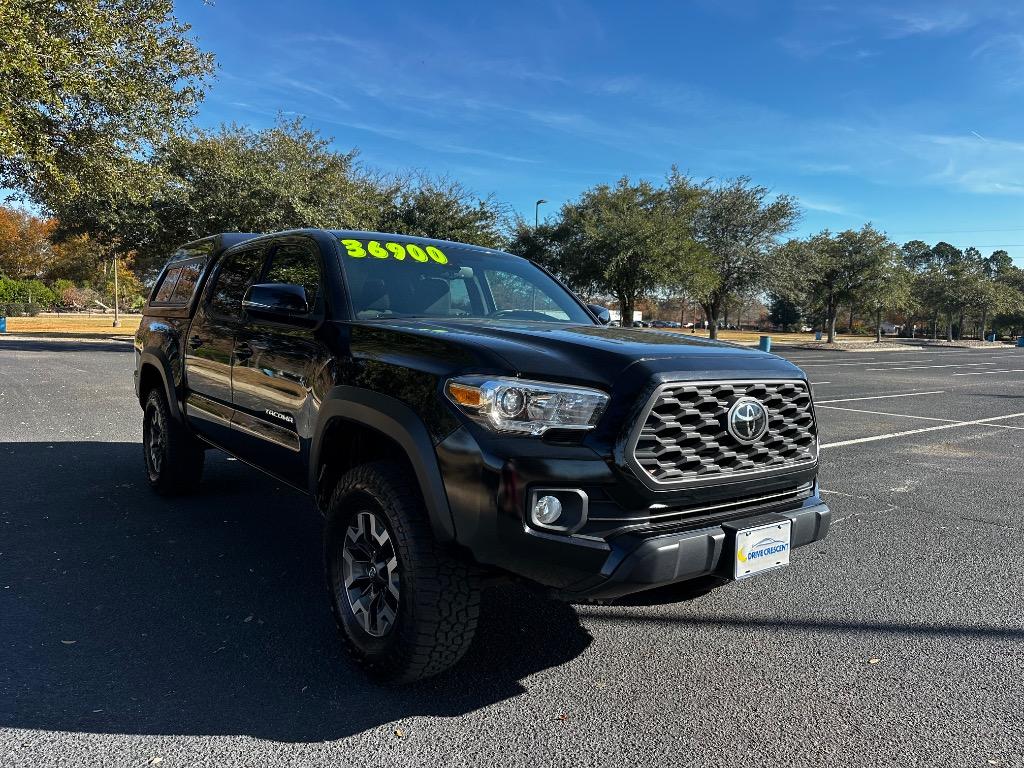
(458, 415)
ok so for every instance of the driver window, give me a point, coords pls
(514, 293)
(296, 265)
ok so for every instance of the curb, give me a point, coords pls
(97, 338)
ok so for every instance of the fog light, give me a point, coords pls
(547, 510)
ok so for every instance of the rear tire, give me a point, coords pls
(173, 457)
(406, 609)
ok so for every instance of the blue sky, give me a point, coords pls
(907, 115)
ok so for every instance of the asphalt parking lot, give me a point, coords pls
(141, 631)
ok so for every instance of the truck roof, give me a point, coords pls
(220, 242)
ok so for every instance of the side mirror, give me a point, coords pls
(282, 299)
(602, 313)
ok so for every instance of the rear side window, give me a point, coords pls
(182, 273)
(187, 280)
(166, 288)
(233, 277)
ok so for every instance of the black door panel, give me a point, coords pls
(209, 350)
(275, 364)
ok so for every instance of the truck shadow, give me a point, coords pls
(122, 612)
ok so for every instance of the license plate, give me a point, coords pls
(761, 549)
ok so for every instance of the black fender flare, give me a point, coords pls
(398, 421)
(148, 358)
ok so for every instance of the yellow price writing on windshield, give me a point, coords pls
(358, 249)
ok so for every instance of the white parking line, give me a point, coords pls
(891, 435)
(859, 362)
(880, 397)
(884, 413)
(918, 367)
(985, 373)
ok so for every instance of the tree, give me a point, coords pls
(1010, 299)
(284, 177)
(25, 244)
(88, 85)
(78, 259)
(889, 288)
(539, 244)
(916, 255)
(691, 274)
(784, 312)
(738, 230)
(961, 284)
(998, 263)
(837, 269)
(231, 179)
(442, 208)
(621, 240)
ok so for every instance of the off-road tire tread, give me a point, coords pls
(183, 462)
(440, 593)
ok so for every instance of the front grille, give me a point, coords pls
(683, 436)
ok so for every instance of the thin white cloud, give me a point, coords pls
(824, 206)
(979, 166)
(931, 20)
(299, 85)
(1002, 56)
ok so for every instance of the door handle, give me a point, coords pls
(195, 342)
(243, 352)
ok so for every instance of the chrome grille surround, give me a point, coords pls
(681, 437)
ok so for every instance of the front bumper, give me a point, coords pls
(672, 558)
(489, 483)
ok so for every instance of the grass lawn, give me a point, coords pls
(101, 325)
(753, 337)
(72, 325)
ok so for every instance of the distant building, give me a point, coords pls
(637, 315)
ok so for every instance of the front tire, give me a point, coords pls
(406, 609)
(174, 459)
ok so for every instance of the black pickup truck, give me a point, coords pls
(458, 415)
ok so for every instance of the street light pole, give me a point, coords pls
(117, 318)
(536, 213)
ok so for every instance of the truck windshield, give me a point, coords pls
(400, 279)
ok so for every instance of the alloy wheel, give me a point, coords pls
(371, 573)
(156, 441)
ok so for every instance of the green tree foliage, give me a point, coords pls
(439, 207)
(87, 85)
(622, 240)
(916, 255)
(784, 312)
(959, 285)
(540, 244)
(1009, 305)
(285, 177)
(998, 263)
(228, 180)
(889, 288)
(737, 227)
(850, 266)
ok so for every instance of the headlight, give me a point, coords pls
(527, 407)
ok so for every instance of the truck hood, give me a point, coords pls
(596, 355)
